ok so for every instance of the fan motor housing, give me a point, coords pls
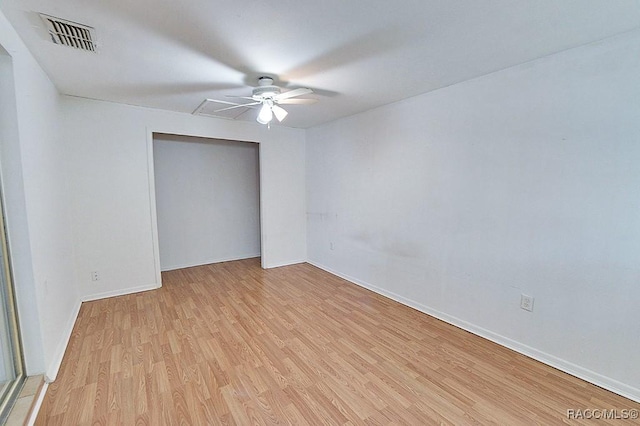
(266, 91)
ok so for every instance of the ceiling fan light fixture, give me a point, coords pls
(266, 98)
(266, 115)
(279, 112)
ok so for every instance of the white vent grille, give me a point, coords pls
(70, 34)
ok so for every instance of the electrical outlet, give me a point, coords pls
(95, 276)
(526, 302)
(331, 245)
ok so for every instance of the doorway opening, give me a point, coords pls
(207, 194)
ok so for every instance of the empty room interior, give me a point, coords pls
(383, 212)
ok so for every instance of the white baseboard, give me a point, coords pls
(130, 290)
(209, 261)
(561, 364)
(54, 365)
(278, 265)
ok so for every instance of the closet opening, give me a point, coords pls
(207, 196)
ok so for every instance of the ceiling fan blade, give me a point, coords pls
(239, 97)
(298, 101)
(222, 102)
(293, 93)
(249, 105)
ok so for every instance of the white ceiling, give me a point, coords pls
(356, 55)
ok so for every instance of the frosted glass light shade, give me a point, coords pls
(265, 115)
(279, 112)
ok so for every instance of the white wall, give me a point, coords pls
(37, 202)
(522, 181)
(113, 201)
(207, 200)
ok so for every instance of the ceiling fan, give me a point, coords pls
(270, 98)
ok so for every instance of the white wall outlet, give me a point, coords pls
(526, 302)
(95, 276)
(331, 245)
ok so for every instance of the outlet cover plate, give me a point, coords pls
(526, 302)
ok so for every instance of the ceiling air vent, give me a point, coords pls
(210, 107)
(70, 34)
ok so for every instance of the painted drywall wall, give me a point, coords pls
(207, 200)
(113, 201)
(522, 181)
(37, 203)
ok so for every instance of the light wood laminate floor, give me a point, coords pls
(230, 343)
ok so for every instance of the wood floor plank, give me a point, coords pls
(231, 343)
